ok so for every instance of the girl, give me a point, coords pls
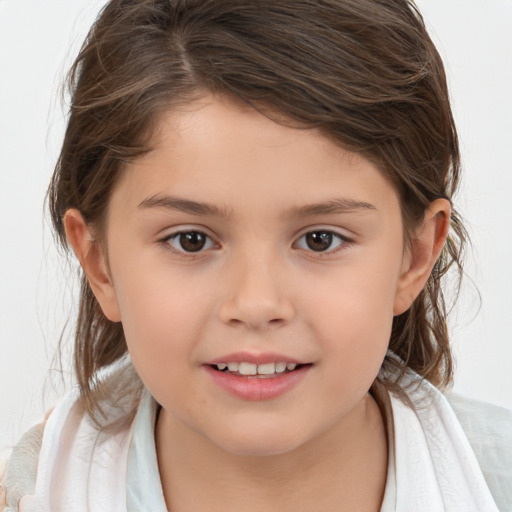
(259, 194)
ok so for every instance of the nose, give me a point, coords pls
(256, 293)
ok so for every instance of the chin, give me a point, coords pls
(259, 449)
(258, 441)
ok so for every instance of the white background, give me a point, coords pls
(38, 40)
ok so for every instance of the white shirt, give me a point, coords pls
(432, 466)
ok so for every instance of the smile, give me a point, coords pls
(263, 370)
(257, 382)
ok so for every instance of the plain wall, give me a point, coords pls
(38, 40)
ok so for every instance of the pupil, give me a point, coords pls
(192, 241)
(319, 240)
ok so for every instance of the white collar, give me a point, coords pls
(431, 464)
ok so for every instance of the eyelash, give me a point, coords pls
(343, 242)
(166, 242)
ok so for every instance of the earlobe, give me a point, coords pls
(426, 246)
(91, 256)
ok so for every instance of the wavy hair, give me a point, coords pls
(365, 72)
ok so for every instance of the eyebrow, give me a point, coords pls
(333, 206)
(183, 205)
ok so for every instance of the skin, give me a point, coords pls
(257, 286)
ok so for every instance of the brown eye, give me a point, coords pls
(190, 241)
(320, 241)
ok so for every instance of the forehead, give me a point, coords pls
(238, 157)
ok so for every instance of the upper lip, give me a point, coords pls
(247, 357)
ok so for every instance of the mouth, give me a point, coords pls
(262, 371)
(257, 376)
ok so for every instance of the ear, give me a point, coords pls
(91, 256)
(428, 241)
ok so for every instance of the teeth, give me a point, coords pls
(266, 369)
(247, 369)
(280, 367)
(254, 369)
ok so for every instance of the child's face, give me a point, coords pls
(298, 260)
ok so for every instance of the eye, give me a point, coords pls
(189, 241)
(320, 241)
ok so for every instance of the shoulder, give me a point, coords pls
(84, 436)
(484, 423)
(2, 490)
(19, 470)
(489, 432)
(19, 477)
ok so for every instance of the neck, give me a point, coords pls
(343, 469)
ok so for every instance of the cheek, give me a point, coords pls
(162, 320)
(357, 329)
(352, 313)
(357, 297)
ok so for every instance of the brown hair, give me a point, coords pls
(363, 71)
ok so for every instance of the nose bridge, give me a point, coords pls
(256, 294)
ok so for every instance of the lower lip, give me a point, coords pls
(257, 388)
